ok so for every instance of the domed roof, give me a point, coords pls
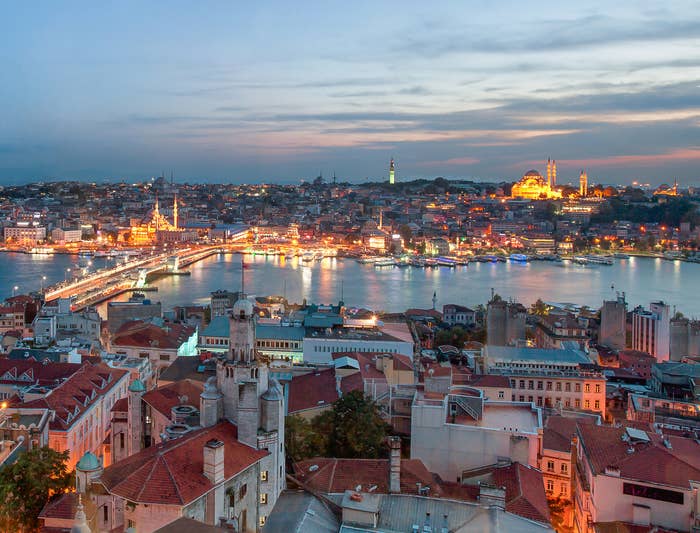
(532, 173)
(243, 307)
(137, 386)
(210, 391)
(274, 391)
(88, 462)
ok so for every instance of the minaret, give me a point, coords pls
(554, 173)
(175, 211)
(434, 299)
(583, 184)
(156, 212)
(391, 171)
(549, 173)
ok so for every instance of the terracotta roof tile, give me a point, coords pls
(171, 473)
(163, 399)
(144, 334)
(312, 390)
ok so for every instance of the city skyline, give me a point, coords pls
(275, 93)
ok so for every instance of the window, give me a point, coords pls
(550, 485)
(105, 513)
(539, 385)
(550, 466)
(121, 440)
(588, 387)
(263, 498)
(652, 493)
(549, 385)
(263, 518)
(558, 386)
(242, 491)
(564, 468)
(588, 404)
(562, 489)
(530, 384)
(500, 395)
(164, 357)
(263, 475)
(539, 401)
(530, 399)
(521, 398)
(596, 404)
(577, 387)
(567, 403)
(577, 403)
(597, 387)
(522, 383)
(567, 387)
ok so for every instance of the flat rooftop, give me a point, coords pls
(510, 354)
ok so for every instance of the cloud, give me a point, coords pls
(455, 161)
(637, 160)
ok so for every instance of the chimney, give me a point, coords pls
(214, 461)
(395, 465)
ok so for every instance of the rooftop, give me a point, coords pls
(510, 354)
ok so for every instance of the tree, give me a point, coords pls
(301, 440)
(539, 308)
(406, 233)
(455, 336)
(355, 427)
(28, 484)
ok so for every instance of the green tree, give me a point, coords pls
(455, 336)
(355, 427)
(28, 484)
(301, 440)
(406, 233)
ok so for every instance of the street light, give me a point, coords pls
(43, 279)
(14, 290)
(67, 273)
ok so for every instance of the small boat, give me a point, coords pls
(620, 255)
(366, 259)
(307, 257)
(580, 260)
(42, 250)
(385, 262)
(518, 258)
(599, 260)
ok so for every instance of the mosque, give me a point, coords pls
(158, 229)
(533, 186)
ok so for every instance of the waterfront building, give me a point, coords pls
(651, 330)
(66, 235)
(24, 233)
(320, 345)
(636, 477)
(613, 323)
(460, 431)
(548, 378)
(82, 405)
(539, 245)
(505, 323)
(138, 307)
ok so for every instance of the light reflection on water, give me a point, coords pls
(396, 289)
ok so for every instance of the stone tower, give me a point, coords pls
(210, 404)
(136, 391)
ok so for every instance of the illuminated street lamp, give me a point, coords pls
(43, 279)
(67, 273)
(14, 290)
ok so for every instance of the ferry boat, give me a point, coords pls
(366, 259)
(446, 262)
(518, 258)
(385, 262)
(599, 260)
(42, 250)
(307, 257)
(580, 260)
(620, 255)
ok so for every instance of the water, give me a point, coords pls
(395, 289)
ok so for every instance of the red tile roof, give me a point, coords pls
(61, 507)
(121, 406)
(146, 335)
(30, 371)
(78, 393)
(338, 475)
(312, 390)
(650, 462)
(559, 430)
(163, 399)
(489, 380)
(171, 473)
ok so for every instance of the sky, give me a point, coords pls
(278, 91)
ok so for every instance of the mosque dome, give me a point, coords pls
(533, 173)
(137, 386)
(243, 308)
(88, 463)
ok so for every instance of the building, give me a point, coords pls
(222, 302)
(637, 477)
(505, 322)
(280, 342)
(454, 314)
(679, 381)
(549, 378)
(25, 234)
(613, 323)
(63, 236)
(583, 184)
(532, 185)
(651, 330)
(640, 363)
(11, 318)
(684, 338)
(162, 344)
(82, 405)
(460, 431)
(676, 413)
(560, 331)
(320, 346)
(31, 379)
(22, 430)
(137, 308)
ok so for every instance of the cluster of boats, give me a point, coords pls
(429, 262)
(417, 262)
